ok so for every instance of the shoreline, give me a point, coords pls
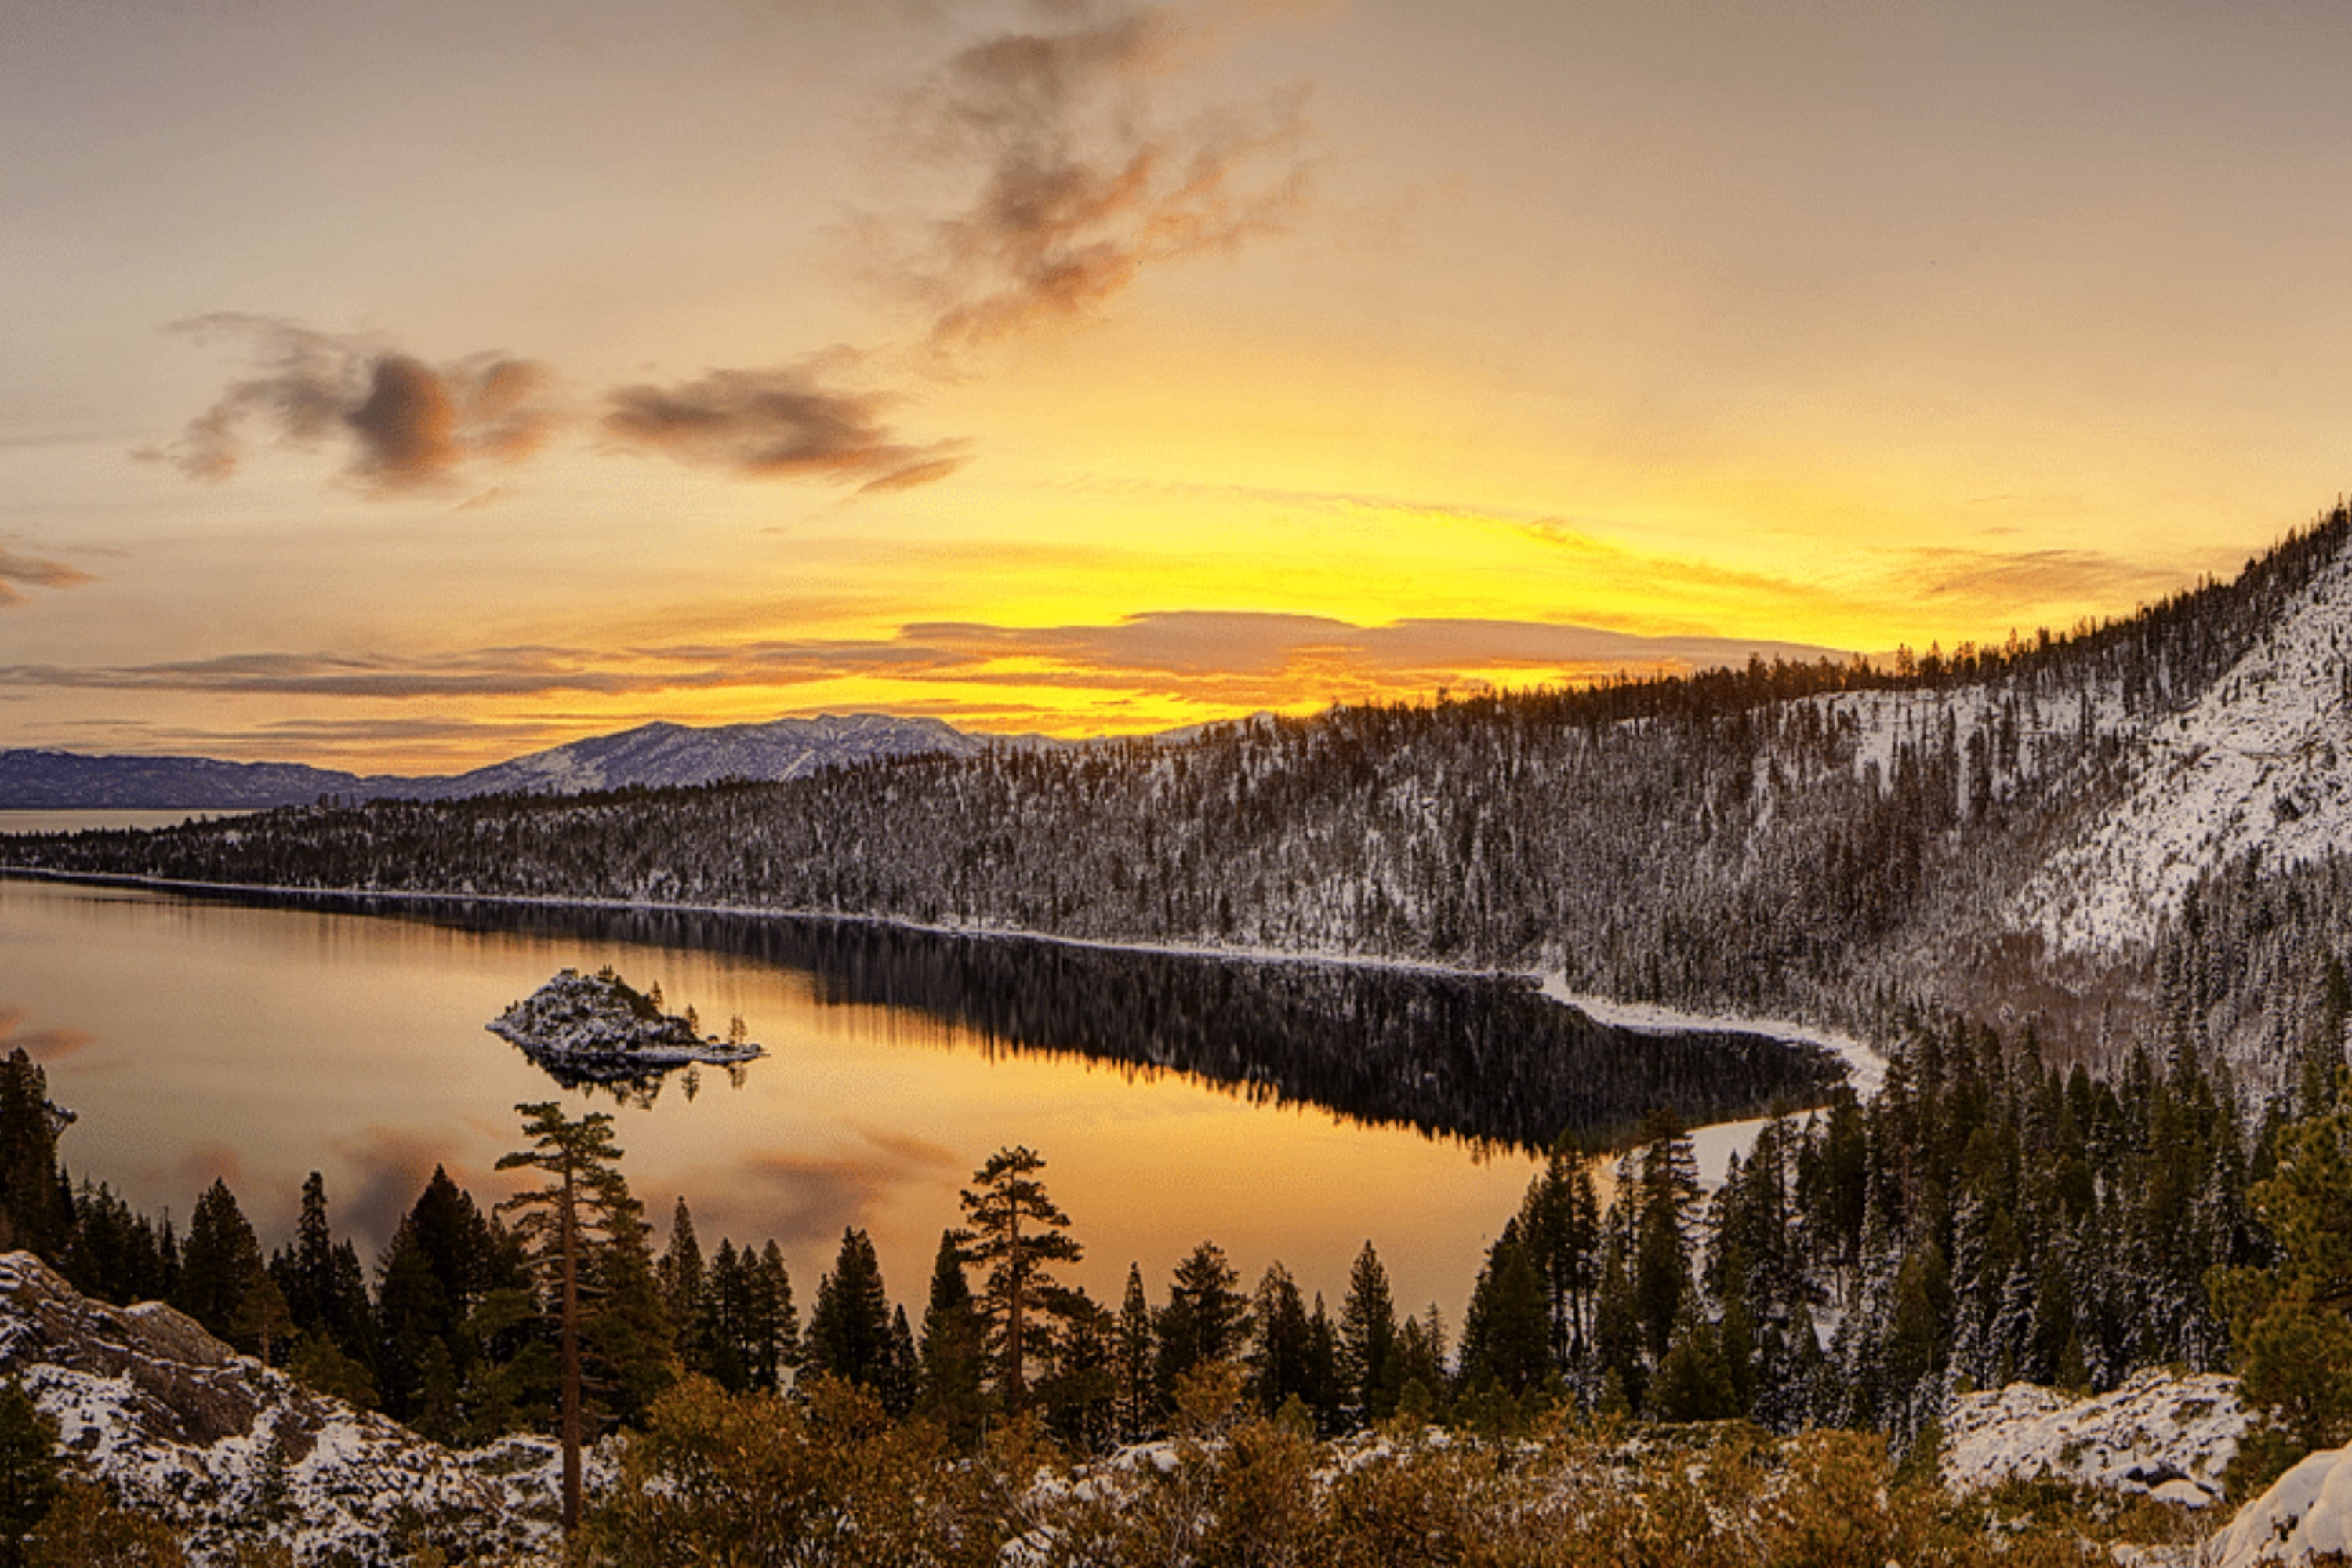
(1865, 1068)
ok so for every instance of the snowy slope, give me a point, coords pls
(2261, 759)
(2306, 1514)
(227, 1449)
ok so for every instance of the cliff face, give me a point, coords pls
(229, 1450)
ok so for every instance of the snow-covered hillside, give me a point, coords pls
(2261, 761)
(661, 755)
(229, 1450)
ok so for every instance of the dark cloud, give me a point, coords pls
(782, 423)
(39, 573)
(405, 423)
(15, 568)
(1082, 183)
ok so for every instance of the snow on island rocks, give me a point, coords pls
(600, 1028)
(226, 1449)
(2170, 1437)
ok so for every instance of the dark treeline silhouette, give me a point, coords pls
(1824, 839)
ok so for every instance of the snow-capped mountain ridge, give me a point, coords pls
(664, 754)
(654, 756)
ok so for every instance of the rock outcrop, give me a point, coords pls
(2170, 1437)
(229, 1450)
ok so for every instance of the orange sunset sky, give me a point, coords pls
(408, 384)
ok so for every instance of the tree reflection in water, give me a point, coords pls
(1482, 1058)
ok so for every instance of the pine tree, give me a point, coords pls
(583, 1203)
(1136, 1396)
(1692, 1383)
(1328, 1394)
(901, 1368)
(1282, 1348)
(2292, 1320)
(721, 1342)
(1559, 1223)
(627, 1334)
(1014, 1234)
(954, 1349)
(681, 1277)
(31, 1469)
(221, 1263)
(1079, 1393)
(1206, 1318)
(779, 1341)
(35, 1213)
(849, 1326)
(437, 1268)
(1506, 1332)
(325, 1290)
(1669, 1190)
(1368, 1331)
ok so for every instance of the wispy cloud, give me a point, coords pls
(1080, 180)
(1990, 581)
(1209, 659)
(37, 572)
(402, 423)
(488, 672)
(780, 423)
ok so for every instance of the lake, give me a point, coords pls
(1285, 1110)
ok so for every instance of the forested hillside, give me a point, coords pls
(1838, 841)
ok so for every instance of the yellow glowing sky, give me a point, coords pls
(405, 387)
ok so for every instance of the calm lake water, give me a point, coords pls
(1285, 1111)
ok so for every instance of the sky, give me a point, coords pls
(408, 386)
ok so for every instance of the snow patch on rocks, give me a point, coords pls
(229, 1451)
(2306, 1513)
(2170, 1437)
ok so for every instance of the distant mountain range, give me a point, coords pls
(652, 755)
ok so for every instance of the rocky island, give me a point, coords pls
(598, 1028)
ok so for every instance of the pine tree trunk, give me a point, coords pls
(1016, 1393)
(568, 1234)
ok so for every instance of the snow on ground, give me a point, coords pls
(2255, 762)
(2172, 1438)
(1883, 721)
(1865, 1069)
(2306, 1513)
